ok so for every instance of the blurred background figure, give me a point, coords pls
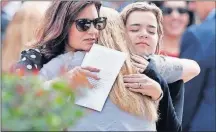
(117, 5)
(198, 43)
(21, 31)
(176, 18)
(8, 9)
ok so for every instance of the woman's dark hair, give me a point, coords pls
(190, 13)
(52, 37)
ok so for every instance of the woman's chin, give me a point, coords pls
(176, 33)
(87, 49)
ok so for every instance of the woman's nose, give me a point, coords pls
(175, 14)
(93, 30)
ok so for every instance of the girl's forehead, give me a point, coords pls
(148, 17)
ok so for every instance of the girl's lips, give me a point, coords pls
(142, 43)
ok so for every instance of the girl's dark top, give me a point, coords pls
(170, 114)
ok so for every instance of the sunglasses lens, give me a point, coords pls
(182, 10)
(167, 10)
(83, 24)
(100, 23)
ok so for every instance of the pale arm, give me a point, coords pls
(173, 69)
(190, 69)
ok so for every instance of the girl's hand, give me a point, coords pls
(140, 63)
(141, 83)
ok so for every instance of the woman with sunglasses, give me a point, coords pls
(176, 18)
(67, 27)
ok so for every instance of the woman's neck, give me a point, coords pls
(68, 48)
(171, 44)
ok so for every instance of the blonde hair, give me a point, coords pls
(21, 31)
(114, 37)
(144, 6)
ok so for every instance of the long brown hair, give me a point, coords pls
(115, 37)
(144, 6)
(53, 34)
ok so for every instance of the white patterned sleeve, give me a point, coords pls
(30, 61)
(169, 68)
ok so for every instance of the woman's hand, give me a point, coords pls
(141, 83)
(77, 77)
(140, 63)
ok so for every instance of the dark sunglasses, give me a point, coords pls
(168, 10)
(84, 24)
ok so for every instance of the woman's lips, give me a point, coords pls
(90, 41)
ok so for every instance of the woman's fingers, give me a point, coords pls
(79, 76)
(85, 80)
(79, 79)
(91, 69)
(86, 71)
(89, 74)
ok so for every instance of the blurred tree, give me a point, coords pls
(26, 105)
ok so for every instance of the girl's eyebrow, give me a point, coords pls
(151, 26)
(135, 24)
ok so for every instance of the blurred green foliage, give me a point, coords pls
(27, 106)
